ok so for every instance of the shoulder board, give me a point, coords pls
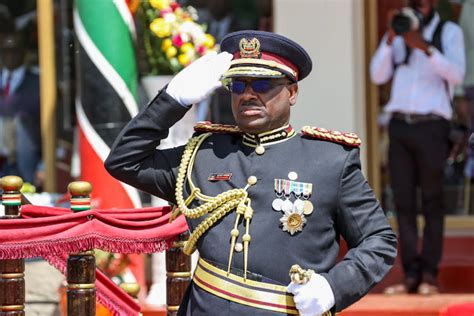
(348, 139)
(208, 127)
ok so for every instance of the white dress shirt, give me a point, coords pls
(418, 87)
(16, 79)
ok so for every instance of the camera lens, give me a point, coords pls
(401, 24)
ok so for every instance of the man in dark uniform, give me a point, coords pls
(260, 197)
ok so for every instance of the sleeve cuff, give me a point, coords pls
(385, 48)
(435, 57)
(164, 110)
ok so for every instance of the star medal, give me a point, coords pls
(293, 221)
(277, 203)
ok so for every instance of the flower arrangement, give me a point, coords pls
(172, 38)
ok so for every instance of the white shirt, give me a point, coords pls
(466, 22)
(17, 77)
(419, 86)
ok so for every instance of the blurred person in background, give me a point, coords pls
(20, 105)
(424, 57)
(465, 92)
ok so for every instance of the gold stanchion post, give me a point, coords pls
(12, 272)
(81, 292)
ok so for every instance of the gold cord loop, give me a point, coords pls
(218, 205)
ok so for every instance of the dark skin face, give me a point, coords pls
(12, 51)
(261, 112)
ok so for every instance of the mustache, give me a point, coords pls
(250, 103)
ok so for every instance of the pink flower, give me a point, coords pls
(201, 50)
(163, 12)
(177, 41)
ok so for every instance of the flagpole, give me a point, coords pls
(47, 90)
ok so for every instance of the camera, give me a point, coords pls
(408, 19)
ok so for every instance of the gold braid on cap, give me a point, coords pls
(217, 206)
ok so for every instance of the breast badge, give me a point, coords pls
(292, 198)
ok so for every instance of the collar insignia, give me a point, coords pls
(268, 138)
(249, 48)
(348, 139)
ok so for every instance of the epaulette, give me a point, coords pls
(208, 127)
(348, 139)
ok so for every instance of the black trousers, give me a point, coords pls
(417, 157)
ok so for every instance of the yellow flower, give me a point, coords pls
(160, 4)
(160, 27)
(179, 13)
(167, 43)
(210, 41)
(171, 52)
(183, 59)
(186, 47)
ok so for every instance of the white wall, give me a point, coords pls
(332, 31)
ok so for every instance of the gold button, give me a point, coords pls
(252, 180)
(239, 247)
(260, 150)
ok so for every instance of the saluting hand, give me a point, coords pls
(198, 80)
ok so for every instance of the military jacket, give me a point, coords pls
(344, 205)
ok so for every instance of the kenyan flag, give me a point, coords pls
(106, 99)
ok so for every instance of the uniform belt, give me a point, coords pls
(411, 118)
(247, 292)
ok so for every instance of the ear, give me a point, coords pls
(293, 89)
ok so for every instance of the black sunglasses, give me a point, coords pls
(258, 86)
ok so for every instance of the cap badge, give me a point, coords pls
(249, 48)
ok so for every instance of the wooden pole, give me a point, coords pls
(178, 274)
(372, 100)
(12, 272)
(47, 90)
(81, 297)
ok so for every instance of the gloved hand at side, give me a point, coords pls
(313, 298)
(198, 80)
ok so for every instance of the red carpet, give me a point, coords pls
(406, 305)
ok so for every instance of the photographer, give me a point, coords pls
(425, 59)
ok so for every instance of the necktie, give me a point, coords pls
(6, 87)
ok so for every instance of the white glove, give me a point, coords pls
(198, 80)
(313, 298)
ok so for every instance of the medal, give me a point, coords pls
(299, 205)
(293, 221)
(276, 204)
(294, 212)
(307, 207)
(278, 186)
(286, 206)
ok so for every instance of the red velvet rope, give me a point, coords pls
(43, 231)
